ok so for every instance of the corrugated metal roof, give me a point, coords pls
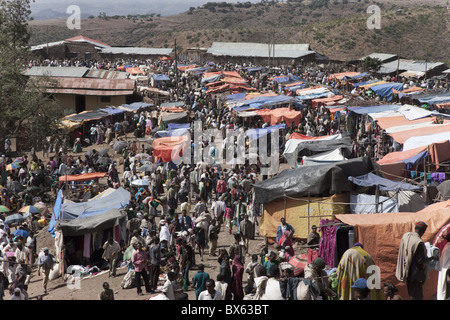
(137, 51)
(107, 74)
(382, 56)
(251, 49)
(409, 65)
(91, 86)
(89, 40)
(45, 45)
(73, 72)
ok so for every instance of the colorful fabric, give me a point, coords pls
(352, 266)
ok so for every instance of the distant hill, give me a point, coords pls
(335, 28)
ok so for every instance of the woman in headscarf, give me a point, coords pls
(77, 146)
(236, 282)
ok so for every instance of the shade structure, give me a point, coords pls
(4, 209)
(12, 166)
(140, 182)
(15, 218)
(27, 210)
(20, 233)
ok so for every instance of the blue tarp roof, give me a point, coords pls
(313, 96)
(56, 211)
(161, 77)
(441, 97)
(256, 133)
(370, 179)
(240, 96)
(170, 133)
(358, 76)
(271, 100)
(254, 69)
(173, 126)
(135, 106)
(358, 84)
(414, 160)
(374, 109)
(113, 110)
(282, 79)
(385, 89)
(115, 199)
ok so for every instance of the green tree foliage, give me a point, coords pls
(371, 64)
(26, 111)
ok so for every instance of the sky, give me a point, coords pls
(48, 8)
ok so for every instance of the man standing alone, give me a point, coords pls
(412, 261)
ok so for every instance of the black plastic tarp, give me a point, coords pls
(179, 117)
(80, 226)
(327, 145)
(316, 180)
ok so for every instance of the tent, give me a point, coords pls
(109, 199)
(136, 106)
(257, 133)
(381, 235)
(315, 180)
(99, 222)
(301, 213)
(170, 117)
(160, 77)
(384, 90)
(82, 177)
(324, 157)
(169, 148)
(371, 179)
(402, 136)
(369, 204)
(173, 126)
(275, 116)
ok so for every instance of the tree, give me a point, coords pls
(371, 64)
(26, 111)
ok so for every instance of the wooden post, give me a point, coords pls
(377, 196)
(309, 210)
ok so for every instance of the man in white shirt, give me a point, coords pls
(210, 293)
(167, 288)
(164, 234)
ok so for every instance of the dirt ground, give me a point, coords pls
(90, 287)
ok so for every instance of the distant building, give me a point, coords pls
(383, 57)
(80, 48)
(412, 68)
(134, 53)
(79, 89)
(260, 53)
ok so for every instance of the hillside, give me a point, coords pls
(336, 28)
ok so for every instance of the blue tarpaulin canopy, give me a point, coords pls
(136, 106)
(374, 109)
(255, 69)
(170, 133)
(257, 133)
(161, 77)
(109, 199)
(414, 160)
(314, 96)
(433, 98)
(173, 126)
(268, 101)
(113, 110)
(56, 212)
(358, 84)
(358, 76)
(385, 90)
(370, 179)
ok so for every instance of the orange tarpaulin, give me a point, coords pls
(439, 152)
(339, 76)
(409, 90)
(277, 115)
(402, 136)
(82, 177)
(316, 102)
(388, 122)
(256, 95)
(184, 68)
(381, 235)
(370, 85)
(134, 70)
(293, 84)
(172, 109)
(168, 148)
(299, 136)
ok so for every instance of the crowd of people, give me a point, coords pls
(175, 222)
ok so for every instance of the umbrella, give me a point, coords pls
(18, 160)
(28, 210)
(12, 166)
(439, 240)
(103, 160)
(119, 146)
(14, 218)
(103, 152)
(20, 233)
(142, 155)
(128, 254)
(148, 168)
(299, 262)
(140, 182)
(4, 209)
